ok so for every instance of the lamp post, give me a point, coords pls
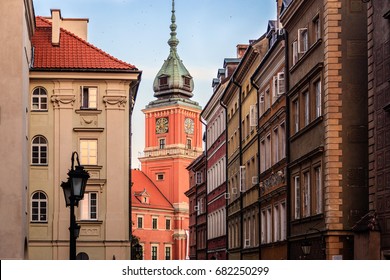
(74, 190)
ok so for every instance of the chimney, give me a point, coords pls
(55, 27)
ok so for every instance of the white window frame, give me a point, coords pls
(142, 221)
(170, 252)
(296, 115)
(39, 151)
(152, 251)
(39, 99)
(303, 40)
(297, 197)
(40, 204)
(306, 194)
(89, 97)
(89, 206)
(154, 219)
(318, 98)
(253, 116)
(198, 177)
(295, 55)
(242, 178)
(88, 154)
(306, 112)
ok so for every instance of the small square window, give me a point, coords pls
(160, 176)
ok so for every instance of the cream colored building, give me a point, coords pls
(80, 99)
(16, 31)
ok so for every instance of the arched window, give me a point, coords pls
(39, 151)
(39, 99)
(39, 207)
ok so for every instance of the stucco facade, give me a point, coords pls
(87, 109)
(17, 28)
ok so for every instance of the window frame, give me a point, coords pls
(42, 206)
(140, 219)
(88, 159)
(86, 100)
(42, 148)
(154, 252)
(162, 143)
(39, 96)
(155, 223)
(87, 209)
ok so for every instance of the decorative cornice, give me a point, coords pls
(115, 101)
(63, 101)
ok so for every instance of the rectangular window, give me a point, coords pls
(283, 221)
(154, 252)
(317, 86)
(306, 194)
(139, 222)
(296, 115)
(297, 198)
(198, 178)
(306, 100)
(263, 227)
(275, 146)
(276, 223)
(162, 143)
(242, 178)
(88, 97)
(261, 105)
(168, 224)
(267, 100)
(189, 143)
(317, 28)
(269, 225)
(262, 155)
(282, 137)
(318, 189)
(268, 151)
(303, 40)
(88, 151)
(295, 56)
(88, 206)
(154, 223)
(167, 253)
(253, 116)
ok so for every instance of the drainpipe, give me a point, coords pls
(258, 163)
(205, 180)
(288, 179)
(226, 181)
(133, 96)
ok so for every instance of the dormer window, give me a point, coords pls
(163, 81)
(187, 81)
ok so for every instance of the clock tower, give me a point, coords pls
(173, 137)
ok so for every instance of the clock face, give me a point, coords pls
(162, 125)
(189, 126)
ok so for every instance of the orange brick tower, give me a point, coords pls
(173, 138)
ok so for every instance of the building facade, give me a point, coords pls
(80, 100)
(153, 218)
(373, 231)
(17, 25)
(173, 138)
(327, 171)
(198, 207)
(214, 117)
(270, 84)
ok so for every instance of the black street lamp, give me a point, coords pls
(74, 190)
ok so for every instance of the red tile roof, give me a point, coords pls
(142, 183)
(73, 53)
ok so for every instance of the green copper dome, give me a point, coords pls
(173, 79)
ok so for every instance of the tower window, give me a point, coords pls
(162, 143)
(163, 81)
(187, 81)
(189, 144)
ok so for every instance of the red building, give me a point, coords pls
(173, 140)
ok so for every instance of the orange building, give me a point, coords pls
(173, 140)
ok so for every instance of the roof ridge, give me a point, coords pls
(87, 43)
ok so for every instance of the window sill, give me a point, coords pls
(305, 55)
(39, 111)
(306, 128)
(39, 165)
(308, 219)
(89, 222)
(37, 223)
(82, 111)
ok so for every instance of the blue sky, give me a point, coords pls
(137, 31)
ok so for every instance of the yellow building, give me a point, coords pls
(81, 100)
